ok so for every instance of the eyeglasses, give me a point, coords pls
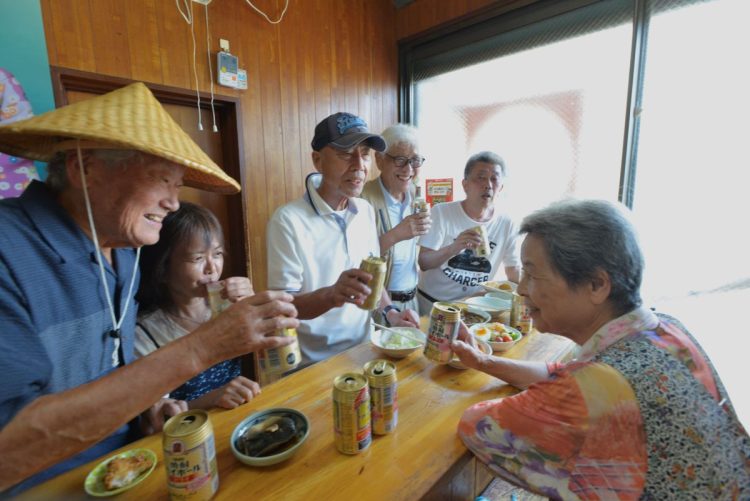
(415, 162)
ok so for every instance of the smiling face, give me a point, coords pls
(483, 184)
(193, 263)
(344, 173)
(555, 306)
(397, 180)
(130, 200)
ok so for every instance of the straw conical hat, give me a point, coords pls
(127, 118)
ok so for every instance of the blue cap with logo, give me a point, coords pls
(343, 131)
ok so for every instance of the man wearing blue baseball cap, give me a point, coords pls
(317, 242)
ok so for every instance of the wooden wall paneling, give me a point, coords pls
(324, 63)
(70, 25)
(308, 54)
(289, 66)
(175, 47)
(109, 29)
(49, 31)
(143, 40)
(254, 162)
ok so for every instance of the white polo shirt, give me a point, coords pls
(309, 245)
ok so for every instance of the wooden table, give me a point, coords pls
(422, 458)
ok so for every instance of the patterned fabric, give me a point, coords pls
(15, 173)
(210, 379)
(635, 416)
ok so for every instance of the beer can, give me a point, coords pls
(445, 319)
(381, 376)
(190, 457)
(351, 413)
(281, 360)
(375, 266)
(420, 205)
(520, 314)
(484, 249)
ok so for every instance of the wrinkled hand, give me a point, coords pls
(236, 288)
(469, 355)
(238, 391)
(351, 287)
(153, 418)
(406, 318)
(246, 326)
(465, 335)
(468, 239)
(413, 225)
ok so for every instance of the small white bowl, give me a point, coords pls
(258, 417)
(484, 332)
(383, 341)
(500, 286)
(503, 295)
(472, 315)
(491, 305)
(483, 347)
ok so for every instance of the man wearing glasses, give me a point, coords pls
(449, 256)
(392, 196)
(316, 243)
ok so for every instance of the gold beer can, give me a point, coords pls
(351, 413)
(375, 266)
(484, 249)
(381, 376)
(520, 315)
(445, 319)
(190, 457)
(284, 359)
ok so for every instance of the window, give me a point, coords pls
(547, 88)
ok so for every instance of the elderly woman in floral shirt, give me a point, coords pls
(640, 412)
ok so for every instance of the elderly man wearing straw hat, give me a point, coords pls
(68, 273)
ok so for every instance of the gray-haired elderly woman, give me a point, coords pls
(640, 413)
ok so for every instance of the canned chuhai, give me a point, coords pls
(484, 249)
(375, 266)
(281, 360)
(381, 376)
(445, 319)
(520, 315)
(351, 413)
(190, 457)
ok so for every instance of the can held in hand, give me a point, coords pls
(351, 413)
(190, 457)
(520, 314)
(484, 249)
(381, 376)
(281, 360)
(375, 266)
(445, 319)
(215, 301)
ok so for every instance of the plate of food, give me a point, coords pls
(500, 337)
(393, 345)
(499, 286)
(120, 472)
(471, 314)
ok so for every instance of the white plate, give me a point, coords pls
(499, 286)
(491, 305)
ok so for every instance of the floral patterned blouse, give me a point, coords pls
(640, 414)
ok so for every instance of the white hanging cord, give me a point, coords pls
(188, 17)
(210, 70)
(256, 9)
(116, 324)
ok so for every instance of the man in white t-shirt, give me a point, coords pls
(316, 243)
(451, 267)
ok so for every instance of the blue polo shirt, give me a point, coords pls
(54, 321)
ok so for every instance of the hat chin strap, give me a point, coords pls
(116, 324)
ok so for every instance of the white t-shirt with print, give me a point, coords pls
(458, 277)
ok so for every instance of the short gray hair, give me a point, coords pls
(582, 237)
(487, 157)
(57, 177)
(401, 134)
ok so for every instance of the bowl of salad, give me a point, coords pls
(396, 346)
(499, 336)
